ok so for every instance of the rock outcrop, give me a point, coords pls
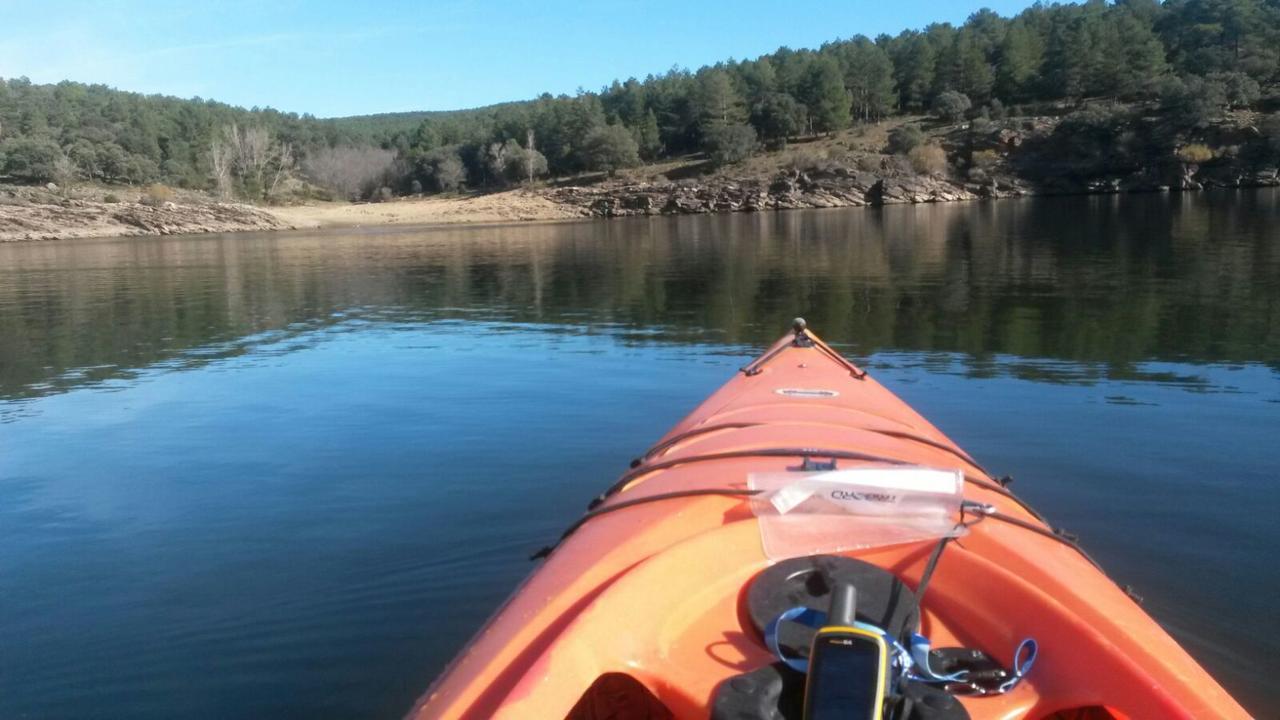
(42, 214)
(985, 159)
(789, 190)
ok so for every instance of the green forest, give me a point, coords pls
(1192, 60)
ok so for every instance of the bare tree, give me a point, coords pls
(222, 160)
(534, 162)
(284, 162)
(63, 169)
(251, 157)
(352, 172)
(254, 153)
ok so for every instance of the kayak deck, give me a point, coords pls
(652, 584)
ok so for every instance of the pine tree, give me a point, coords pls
(868, 75)
(760, 79)
(792, 70)
(914, 69)
(1104, 68)
(973, 74)
(1066, 58)
(620, 103)
(1019, 60)
(670, 98)
(986, 29)
(1143, 55)
(777, 117)
(426, 137)
(648, 137)
(946, 74)
(717, 101)
(825, 96)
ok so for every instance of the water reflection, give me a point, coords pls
(239, 474)
(1104, 283)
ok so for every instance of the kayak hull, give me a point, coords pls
(656, 589)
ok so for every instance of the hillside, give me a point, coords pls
(385, 129)
(1012, 157)
(384, 125)
(1104, 149)
(1058, 98)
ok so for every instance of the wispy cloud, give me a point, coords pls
(269, 40)
(70, 51)
(273, 40)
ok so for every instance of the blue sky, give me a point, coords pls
(343, 58)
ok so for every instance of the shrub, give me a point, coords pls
(1094, 141)
(112, 160)
(778, 116)
(1196, 101)
(1239, 89)
(928, 159)
(141, 169)
(352, 172)
(806, 159)
(84, 158)
(1195, 153)
(869, 163)
(155, 195)
(37, 160)
(450, 174)
(951, 105)
(904, 139)
(731, 143)
(441, 168)
(521, 165)
(984, 159)
(1270, 127)
(111, 198)
(980, 164)
(610, 147)
(499, 162)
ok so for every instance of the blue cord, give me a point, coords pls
(913, 662)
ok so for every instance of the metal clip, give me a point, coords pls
(811, 465)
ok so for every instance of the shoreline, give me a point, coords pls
(1012, 158)
(80, 219)
(504, 207)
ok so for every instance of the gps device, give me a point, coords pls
(847, 666)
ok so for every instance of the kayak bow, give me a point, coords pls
(651, 606)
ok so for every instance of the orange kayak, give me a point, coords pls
(658, 602)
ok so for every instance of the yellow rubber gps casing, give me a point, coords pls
(829, 639)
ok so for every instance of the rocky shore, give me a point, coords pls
(790, 190)
(1012, 158)
(1019, 159)
(846, 187)
(49, 213)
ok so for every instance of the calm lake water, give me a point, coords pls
(289, 475)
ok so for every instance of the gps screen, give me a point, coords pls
(844, 674)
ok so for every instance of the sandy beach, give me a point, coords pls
(509, 206)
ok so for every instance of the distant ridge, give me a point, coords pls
(383, 125)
